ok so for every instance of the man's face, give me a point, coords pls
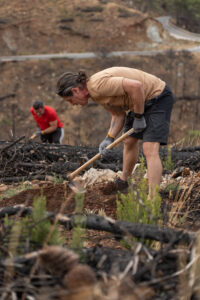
(39, 112)
(80, 97)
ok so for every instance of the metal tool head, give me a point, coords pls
(76, 187)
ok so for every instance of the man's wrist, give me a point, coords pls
(138, 115)
(110, 135)
(42, 132)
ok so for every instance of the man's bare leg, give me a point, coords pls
(130, 156)
(154, 166)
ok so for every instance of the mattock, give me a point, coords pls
(75, 186)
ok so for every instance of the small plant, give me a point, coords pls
(15, 190)
(194, 136)
(173, 187)
(194, 133)
(14, 236)
(90, 211)
(102, 212)
(191, 139)
(57, 179)
(78, 235)
(6, 121)
(136, 206)
(42, 225)
(33, 231)
(167, 162)
(180, 210)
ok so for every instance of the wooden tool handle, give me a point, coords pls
(33, 136)
(121, 138)
(97, 156)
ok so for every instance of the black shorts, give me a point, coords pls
(53, 137)
(157, 114)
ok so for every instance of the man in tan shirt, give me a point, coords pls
(135, 99)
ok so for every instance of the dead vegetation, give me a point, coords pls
(30, 160)
(104, 268)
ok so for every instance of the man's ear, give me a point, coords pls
(74, 89)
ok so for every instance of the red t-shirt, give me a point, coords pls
(49, 115)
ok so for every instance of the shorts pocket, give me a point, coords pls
(157, 122)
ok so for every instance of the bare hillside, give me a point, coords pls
(77, 26)
(28, 27)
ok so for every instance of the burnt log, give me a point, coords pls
(123, 228)
(118, 228)
(12, 144)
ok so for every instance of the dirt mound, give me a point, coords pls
(180, 200)
(97, 197)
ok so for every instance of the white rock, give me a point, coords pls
(3, 187)
(153, 34)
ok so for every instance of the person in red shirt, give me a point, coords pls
(50, 128)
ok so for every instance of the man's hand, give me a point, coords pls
(139, 124)
(102, 147)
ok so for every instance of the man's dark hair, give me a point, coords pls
(69, 80)
(38, 104)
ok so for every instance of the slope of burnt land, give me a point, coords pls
(30, 160)
(142, 271)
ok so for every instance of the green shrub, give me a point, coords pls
(78, 233)
(31, 232)
(42, 226)
(192, 138)
(57, 179)
(15, 190)
(167, 162)
(136, 207)
(194, 133)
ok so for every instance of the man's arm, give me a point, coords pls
(117, 123)
(135, 90)
(51, 128)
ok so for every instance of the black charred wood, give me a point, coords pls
(13, 210)
(22, 178)
(11, 95)
(12, 144)
(20, 161)
(104, 260)
(120, 228)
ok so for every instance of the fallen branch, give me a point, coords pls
(46, 159)
(7, 96)
(13, 143)
(118, 228)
